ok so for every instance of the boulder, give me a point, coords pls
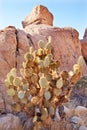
(39, 15)
(81, 111)
(77, 120)
(68, 111)
(82, 128)
(28, 125)
(10, 122)
(8, 44)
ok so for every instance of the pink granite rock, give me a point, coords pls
(39, 15)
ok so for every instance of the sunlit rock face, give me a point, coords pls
(39, 15)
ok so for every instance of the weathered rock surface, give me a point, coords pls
(77, 120)
(83, 128)
(80, 111)
(39, 15)
(28, 125)
(8, 44)
(10, 122)
(84, 45)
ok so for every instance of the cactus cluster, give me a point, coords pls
(41, 85)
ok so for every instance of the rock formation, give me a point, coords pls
(39, 15)
(84, 45)
(38, 25)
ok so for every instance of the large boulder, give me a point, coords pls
(8, 46)
(39, 15)
(10, 122)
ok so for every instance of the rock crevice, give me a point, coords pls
(17, 49)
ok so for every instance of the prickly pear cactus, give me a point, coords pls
(41, 85)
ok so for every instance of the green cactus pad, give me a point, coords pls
(31, 50)
(44, 113)
(76, 68)
(51, 111)
(13, 72)
(28, 56)
(80, 60)
(48, 46)
(43, 82)
(11, 78)
(24, 64)
(28, 72)
(49, 39)
(47, 95)
(17, 81)
(11, 92)
(41, 44)
(7, 83)
(25, 86)
(21, 94)
(40, 52)
(59, 83)
(46, 61)
(41, 63)
(50, 57)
